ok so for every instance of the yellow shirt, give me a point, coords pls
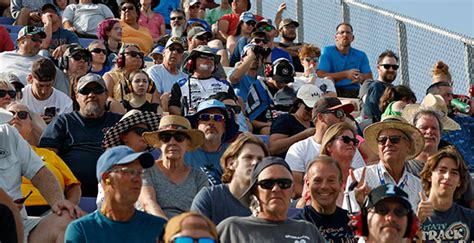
(141, 37)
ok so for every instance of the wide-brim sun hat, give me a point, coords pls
(417, 141)
(128, 121)
(174, 123)
(5, 116)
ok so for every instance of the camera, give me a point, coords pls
(50, 111)
(261, 51)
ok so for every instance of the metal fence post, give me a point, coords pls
(468, 60)
(403, 53)
(300, 19)
(258, 7)
(346, 12)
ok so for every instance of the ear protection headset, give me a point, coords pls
(190, 65)
(128, 88)
(63, 61)
(107, 181)
(121, 56)
(278, 62)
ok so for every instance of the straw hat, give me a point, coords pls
(417, 141)
(435, 103)
(173, 123)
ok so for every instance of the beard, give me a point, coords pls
(212, 136)
(177, 30)
(288, 37)
(389, 78)
(93, 109)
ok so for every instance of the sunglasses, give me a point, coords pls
(178, 136)
(388, 66)
(307, 108)
(23, 199)
(22, 115)
(125, 8)
(99, 50)
(202, 38)
(11, 93)
(207, 117)
(134, 54)
(78, 57)
(207, 57)
(139, 130)
(177, 49)
(268, 184)
(36, 39)
(96, 90)
(384, 210)
(259, 40)
(129, 171)
(252, 23)
(394, 139)
(177, 18)
(337, 113)
(265, 28)
(235, 108)
(309, 59)
(187, 239)
(348, 140)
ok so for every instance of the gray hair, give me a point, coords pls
(428, 112)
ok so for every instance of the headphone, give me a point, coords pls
(121, 56)
(63, 61)
(278, 62)
(128, 88)
(107, 181)
(190, 65)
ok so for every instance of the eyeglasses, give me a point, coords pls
(259, 40)
(268, 184)
(134, 54)
(139, 130)
(177, 18)
(394, 139)
(309, 59)
(337, 113)
(129, 171)
(125, 8)
(348, 140)
(78, 57)
(99, 50)
(11, 93)
(208, 117)
(36, 38)
(235, 108)
(384, 210)
(265, 28)
(344, 32)
(202, 38)
(388, 66)
(22, 115)
(96, 90)
(187, 239)
(177, 49)
(178, 136)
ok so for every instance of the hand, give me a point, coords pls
(47, 119)
(353, 74)
(64, 204)
(281, 8)
(35, 16)
(425, 208)
(362, 189)
(47, 18)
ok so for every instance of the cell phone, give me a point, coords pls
(50, 111)
(23, 199)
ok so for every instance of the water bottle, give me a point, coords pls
(460, 106)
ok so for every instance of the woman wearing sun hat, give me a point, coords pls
(169, 187)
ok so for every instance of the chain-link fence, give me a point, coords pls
(419, 45)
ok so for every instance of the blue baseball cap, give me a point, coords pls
(247, 16)
(121, 155)
(157, 50)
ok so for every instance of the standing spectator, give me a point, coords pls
(27, 12)
(347, 66)
(154, 22)
(287, 29)
(213, 15)
(132, 31)
(83, 18)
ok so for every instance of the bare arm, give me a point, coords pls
(222, 29)
(7, 201)
(73, 193)
(243, 68)
(279, 143)
(148, 201)
(278, 15)
(48, 29)
(68, 25)
(298, 180)
(109, 84)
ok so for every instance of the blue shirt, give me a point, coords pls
(165, 8)
(208, 162)
(279, 53)
(332, 61)
(242, 88)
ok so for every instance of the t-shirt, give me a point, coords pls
(174, 198)
(86, 17)
(454, 225)
(332, 61)
(141, 37)
(463, 139)
(79, 141)
(371, 100)
(233, 20)
(58, 99)
(242, 88)
(287, 124)
(153, 24)
(95, 227)
(34, 5)
(6, 43)
(209, 200)
(62, 37)
(253, 229)
(208, 162)
(325, 85)
(165, 7)
(163, 79)
(213, 15)
(333, 227)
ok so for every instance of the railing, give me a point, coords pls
(418, 44)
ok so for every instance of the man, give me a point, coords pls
(287, 29)
(27, 12)
(74, 62)
(395, 141)
(83, 18)
(198, 36)
(445, 178)
(40, 96)
(347, 66)
(77, 136)
(219, 127)
(178, 24)
(120, 171)
(20, 160)
(324, 180)
(271, 187)
(201, 64)
(326, 112)
(371, 91)
(386, 216)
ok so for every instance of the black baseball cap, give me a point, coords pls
(331, 103)
(386, 191)
(283, 71)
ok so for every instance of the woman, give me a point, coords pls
(132, 31)
(7, 92)
(237, 161)
(99, 57)
(30, 126)
(110, 31)
(190, 227)
(441, 73)
(140, 83)
(154, 22)
(245, 27)
(169, 187)
(395, 98)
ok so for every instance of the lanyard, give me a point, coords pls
(382, 179)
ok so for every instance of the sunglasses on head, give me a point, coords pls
(268, 184)
(235, 108)
(208, 117)
(177, 18)
(177, 49)
(265, 28)
(337, 113)
(134, 54)
(22, 115)
(87, 90)
(178, 136)
(384, 210)
(388, 66)
(348, 140)
(394, 139)
(78, 57)
(125, 8)
(99, 50)
(309, 59)
(139, 130)
(11, 93)
(187, 239)
(260, 40)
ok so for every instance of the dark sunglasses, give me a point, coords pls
(187, 239)
(23, 199)
(96, 90)
(195, 6)
(177, 18)
(36, 38)
(178, 136)
(134, 54)
(348, 140)
(202, 38)
(337, 113)
(22, 115)
(125, 8)
(268, 184)
(388, 66)
(259, 40)
(265, 28)
(99, 50)
(251, 22)
(309, 59)
(139, 130)
(307, 108)
(177, 49)
(384, 210)
(394, 139)
(207, 57)
(208, 117)
(11, 93)
(78, 57)
(235, 108)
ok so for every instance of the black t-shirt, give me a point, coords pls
(280, 97)
(287, 124)
(147, 106)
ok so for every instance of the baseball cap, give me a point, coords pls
(265, 22)
(15, 81)
(121, 155)
(288, 21)
(309, 94)
(89, 78)
(31, 30)
(247, 16)
(157, 50)
(283, 71)
(331, 103)
(192, 2)
(49, 6)
(386, 191)
(43, 69)
(73, 49)
(198, 31)
(174, 40)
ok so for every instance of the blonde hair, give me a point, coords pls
(440, 72)
(38, 124)
(332, 133)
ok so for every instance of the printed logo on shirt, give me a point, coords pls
(457, 231)
(299, 239)
(4, 153)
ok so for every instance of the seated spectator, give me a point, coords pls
(6, 43)
(139, 84)
(30, 126)
(237, 161)
(214, 14)
(309, 58)
(15, 82)
(60, 5)
(227, 24)
(166, 8)
(119, 171)
(394, 99)
(157, 55)
(154, 22)
(27, 12)
(287, 29)
(171, 185)
(269, 222)
(7, 92)
(110, 31)
(192, 9)
(132, 31)
(178, 24)
(245, 27)
(83, 18)
(232, 105)
(75, 62)
(100, 62)
(188, 227)
(11, 229)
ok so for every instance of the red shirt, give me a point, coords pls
(6, 43)
(233, 20)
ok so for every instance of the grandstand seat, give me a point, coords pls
(265, 138)
(12, 28)
(6, 20)
(88, 204)
(85, 42)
